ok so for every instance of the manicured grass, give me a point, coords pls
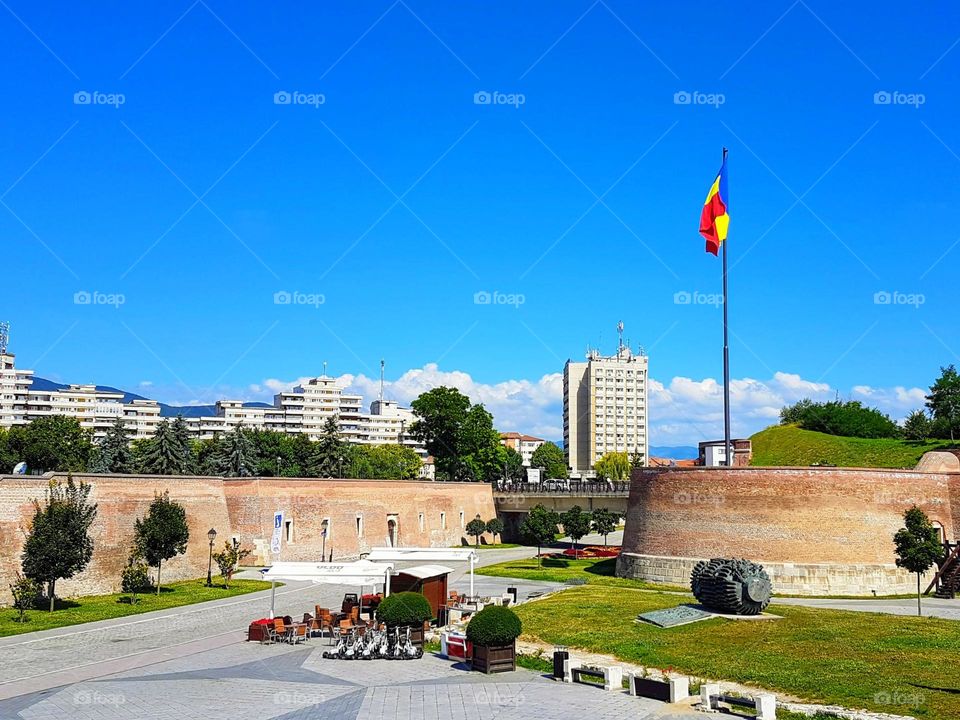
(104, 607)
(887, 663)
(591, 571)
(491, 546)
(789, 445)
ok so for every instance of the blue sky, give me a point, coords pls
(383, 189)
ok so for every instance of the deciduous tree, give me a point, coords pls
(163, 533)
(551, 458)
(476, 528)
(540, 527)
(944, 399)
(918, 545)
(58, 544)
(576, 523)
(604, 522)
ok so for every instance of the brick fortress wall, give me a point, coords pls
(425, 514)
(816, 530)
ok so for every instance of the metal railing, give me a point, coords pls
(565, 488)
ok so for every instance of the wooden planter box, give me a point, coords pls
(257, 632)
(496, 659)
(655, 689)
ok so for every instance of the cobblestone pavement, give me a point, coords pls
(249, 680)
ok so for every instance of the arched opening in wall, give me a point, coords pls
(393, 533)
(941, 532)
(288, 530)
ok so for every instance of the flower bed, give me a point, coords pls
(590, 551)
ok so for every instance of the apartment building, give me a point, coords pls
(526, 445)
(604, 408)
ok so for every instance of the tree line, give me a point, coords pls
(59, 443)
(938, 419)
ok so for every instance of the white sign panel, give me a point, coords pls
(275, 541)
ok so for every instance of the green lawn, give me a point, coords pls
(591, 571)
(789, 445)
(104, 607)
(848, 658)
(491, 546)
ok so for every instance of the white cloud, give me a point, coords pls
(683, 411)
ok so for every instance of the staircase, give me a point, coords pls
(947, 579)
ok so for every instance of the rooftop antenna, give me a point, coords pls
(381, 382)
(4, 337)
(619, 337)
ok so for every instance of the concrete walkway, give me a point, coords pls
(932, 607)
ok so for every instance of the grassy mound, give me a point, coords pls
(787, 445)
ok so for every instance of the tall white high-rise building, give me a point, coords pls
(605, 408)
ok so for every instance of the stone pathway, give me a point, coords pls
(249, 680)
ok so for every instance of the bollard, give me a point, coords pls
(707, 692)
(679, 689)
(568, 667)
(613, 678)
(766, 706)
(631, 685)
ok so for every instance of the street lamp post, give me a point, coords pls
(211, 535)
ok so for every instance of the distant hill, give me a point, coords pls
(675, 452)
(43, 384)
(787, 445)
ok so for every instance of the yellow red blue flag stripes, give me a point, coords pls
(715, 218)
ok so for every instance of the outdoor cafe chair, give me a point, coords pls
(280, 630)
(300, 634)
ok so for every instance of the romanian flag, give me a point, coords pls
(715, 216)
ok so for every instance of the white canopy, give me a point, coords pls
(426, 571)
(413, 554)
(361, 572)
(395, 554)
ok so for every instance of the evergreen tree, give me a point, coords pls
(917, 426)
(163, 533)
(234, 456)
(331, 456)
(58, 543)
(164, 453)
(113, 455)
(181, 434)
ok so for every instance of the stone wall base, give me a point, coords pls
(787, 578)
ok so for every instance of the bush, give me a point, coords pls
(404, 608)
(494, 625)
(25, 593)
(135, 578)
(846, 419)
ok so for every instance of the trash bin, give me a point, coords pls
(560, 654)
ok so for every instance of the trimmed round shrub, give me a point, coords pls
(494, 625)
(404, 608)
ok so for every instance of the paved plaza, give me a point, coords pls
(193, 662)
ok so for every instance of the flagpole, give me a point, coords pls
(726, 358)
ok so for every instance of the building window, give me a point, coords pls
(461, 520)
(443, 521)
(420, 519)
(288, 530)
(359, 526)
(393, 533)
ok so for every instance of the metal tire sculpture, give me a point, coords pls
(731, 586)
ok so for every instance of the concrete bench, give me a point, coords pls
(764, 704)
(612, 677)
